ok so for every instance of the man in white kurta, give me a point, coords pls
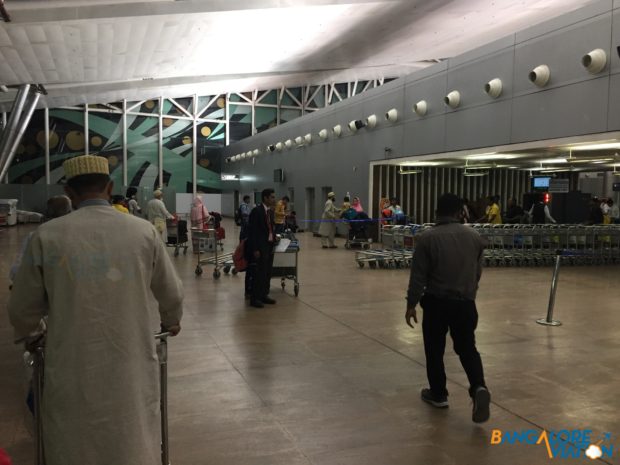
(157, 214)
(101, 276)
(328, 226)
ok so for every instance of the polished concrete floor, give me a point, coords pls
(333, 376)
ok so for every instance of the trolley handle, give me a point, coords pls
(163, 335)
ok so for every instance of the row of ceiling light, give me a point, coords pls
(595, 62)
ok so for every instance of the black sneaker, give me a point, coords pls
(256, 304)
(436, 401)
(482, 401)
(268, 300)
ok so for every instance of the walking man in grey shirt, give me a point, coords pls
(444, 280)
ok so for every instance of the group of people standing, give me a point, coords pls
(332, 215)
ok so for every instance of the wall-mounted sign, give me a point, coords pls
(559, 186)
(230, 177)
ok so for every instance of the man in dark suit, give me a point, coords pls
(260, 247)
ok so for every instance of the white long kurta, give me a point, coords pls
(330, 213)
(157, 213)
(96, 271)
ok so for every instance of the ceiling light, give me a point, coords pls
(401, 171)
(590, 160)
(553, 160)
(601, 146)
(419, 163)
(491, 156)
(475, 173)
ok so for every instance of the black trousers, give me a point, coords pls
(460, 317)
(262, 273)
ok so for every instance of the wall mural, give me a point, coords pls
(219, 120)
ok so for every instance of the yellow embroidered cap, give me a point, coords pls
(85, 164)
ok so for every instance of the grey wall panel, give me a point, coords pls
(426, 73)
(469, 79)
(615, 41)
(571, 110)
(481, 126)
(561, 50)
(425, 136)
(433, 90)
(482, 52)
(577, 16)
(613, 119)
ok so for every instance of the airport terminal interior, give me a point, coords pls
(384, 106)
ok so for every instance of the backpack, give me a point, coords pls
(239, 259)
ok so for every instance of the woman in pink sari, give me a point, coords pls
(199, 215)
(357, 205)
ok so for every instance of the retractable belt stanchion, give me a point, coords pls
(162, 353)
(549, 321)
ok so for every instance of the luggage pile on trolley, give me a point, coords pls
(537, 245)
(286, 262)
(178, 234)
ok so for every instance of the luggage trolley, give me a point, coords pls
(37, 350)
(177, 235)
(205, 241)
(286, 265)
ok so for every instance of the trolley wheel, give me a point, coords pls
(366, 246)
(185, 250)
(296, 289)
(347, 245)
(198, 270)
(216, 274)
(176, 251)
(373, 265)
(234, 271)
(360, 264)
(226, 269)
(283, 283)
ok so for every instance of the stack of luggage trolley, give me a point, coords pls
(397, 251)
(538, 244)
(510, 245)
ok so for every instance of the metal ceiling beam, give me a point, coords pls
(43, 12)
(7, 152)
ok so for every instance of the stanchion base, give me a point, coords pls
(543, 321)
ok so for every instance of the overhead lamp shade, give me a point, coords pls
(323, 134)
(249, 154)
(595, 61)
(494, 87)
(356, 124)
(337, 130)
(299, 141)
(288, 143)
(420, 108)
(453, 99)
(279, 146)
(256, 152)
(540, 75)
(308, 138)
(371, 121)
(392, 115)
(271, 148)
(242, 156)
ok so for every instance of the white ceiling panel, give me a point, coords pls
(87, 51)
